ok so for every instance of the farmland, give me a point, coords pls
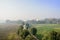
(47, 27)
(6, 29)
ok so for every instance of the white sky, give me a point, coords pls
(25, 10)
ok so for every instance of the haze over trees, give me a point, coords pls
(44, 21)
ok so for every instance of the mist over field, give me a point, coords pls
(29, 19)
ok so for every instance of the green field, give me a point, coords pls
(41, 29)
(47, 27)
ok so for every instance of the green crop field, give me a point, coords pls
(46, 27)
(41, 29)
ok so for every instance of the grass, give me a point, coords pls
(45, 29)
(41, 28)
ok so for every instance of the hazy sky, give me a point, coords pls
(29, 9)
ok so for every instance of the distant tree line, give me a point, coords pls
(45, 21)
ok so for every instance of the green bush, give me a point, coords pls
(25, 33)
(58, 36)
(30, 38)
(20, 30)
(33, 31)
(53, 35)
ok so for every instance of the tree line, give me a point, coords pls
(44, 21)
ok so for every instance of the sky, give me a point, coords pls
(29, 9)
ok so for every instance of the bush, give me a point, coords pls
(30, 38)
(34, 31)
(53, 35)
(25, 33)
(27, 25)
(20, 29)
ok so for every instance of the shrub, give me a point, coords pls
(20, 29)
(25, 33)
(30, 38)
(53, 35)
(34, 31)
(27, 25)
